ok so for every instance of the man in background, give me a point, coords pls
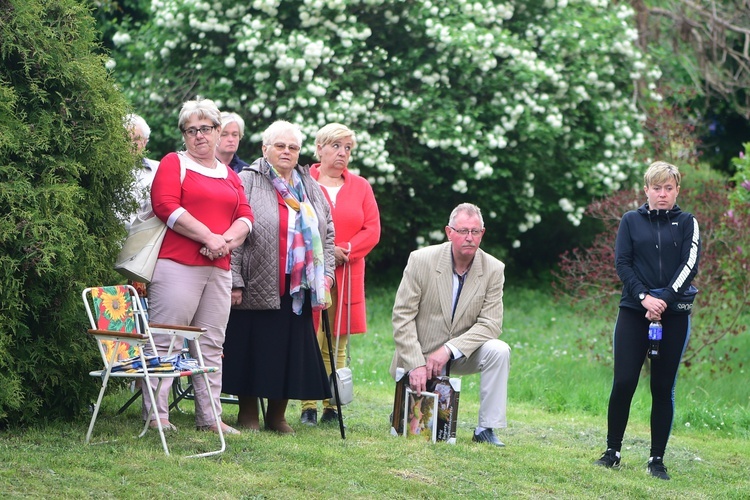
(144, 173)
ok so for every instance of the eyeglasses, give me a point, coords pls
(280, 146)
(204, 130)
(464, 232)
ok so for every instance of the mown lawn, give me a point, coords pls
(557, 409)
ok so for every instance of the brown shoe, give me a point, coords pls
(247, 417)
(275, 417)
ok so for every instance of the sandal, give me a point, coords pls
(166, 426)
(227, 429)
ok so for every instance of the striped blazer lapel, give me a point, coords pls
(444, 271)
(474, 279)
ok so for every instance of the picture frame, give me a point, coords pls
(420, 415)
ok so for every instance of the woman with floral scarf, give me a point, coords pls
(280, 274)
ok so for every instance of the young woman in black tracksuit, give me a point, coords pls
(657, 253)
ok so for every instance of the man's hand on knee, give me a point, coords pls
(436, 361)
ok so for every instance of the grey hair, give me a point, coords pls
(137, 121)
(203, 109)
(279, 128)
(466, 208)
(227, 118)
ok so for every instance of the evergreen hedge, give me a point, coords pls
(65, 176)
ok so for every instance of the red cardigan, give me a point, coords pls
(357, 222)
(213, 196)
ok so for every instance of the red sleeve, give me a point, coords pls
(166, 190)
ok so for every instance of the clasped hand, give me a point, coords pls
(216, 247)
(654, 308)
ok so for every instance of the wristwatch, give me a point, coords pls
(641, 296)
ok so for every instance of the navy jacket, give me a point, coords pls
(656, 249)
(237, 164)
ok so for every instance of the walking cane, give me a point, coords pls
(327, 330)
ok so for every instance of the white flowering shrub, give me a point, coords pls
(526, 108)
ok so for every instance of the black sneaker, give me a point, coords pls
(610, 459)
(487, 436)
(657, 468)
(309, 417)
(329, 415)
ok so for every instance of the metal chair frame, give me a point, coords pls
(142, 338)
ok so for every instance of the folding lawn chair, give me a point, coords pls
(123, 334)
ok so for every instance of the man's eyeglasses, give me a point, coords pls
(280, 146)
(204, 130)
(464, 232)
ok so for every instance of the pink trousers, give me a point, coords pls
(195, 296)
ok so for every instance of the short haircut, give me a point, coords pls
(227, 118)
(660, 172)
(466, 208)
(331, 133)
(202, 109)
(137, 121)
(279, 128)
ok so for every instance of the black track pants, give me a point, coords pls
(630, 345)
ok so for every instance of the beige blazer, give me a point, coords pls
(422, 311)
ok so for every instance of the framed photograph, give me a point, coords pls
(420, 415)
(448, 390)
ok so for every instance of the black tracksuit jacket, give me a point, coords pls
(656, 249)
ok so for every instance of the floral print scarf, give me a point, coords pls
(305, 262)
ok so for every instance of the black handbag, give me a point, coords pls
(684, 302)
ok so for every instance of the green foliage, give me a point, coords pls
(526, 108)
(65, 180)
(741, 179)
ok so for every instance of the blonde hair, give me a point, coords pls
(660, 172)
(331, 133)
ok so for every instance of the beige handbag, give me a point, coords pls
(140, 251)
(137, 258)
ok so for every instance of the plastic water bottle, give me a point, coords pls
(654, 339)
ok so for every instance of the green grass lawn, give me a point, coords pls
(556, 429)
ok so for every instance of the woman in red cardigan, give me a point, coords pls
(357, 222)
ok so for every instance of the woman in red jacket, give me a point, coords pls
(357, 222)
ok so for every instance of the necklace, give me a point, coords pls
(332, 181)
(200, 162)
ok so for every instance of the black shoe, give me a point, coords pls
(309, 417)
(487, 436)
(657, 469)
(329, 415)
(610, 459)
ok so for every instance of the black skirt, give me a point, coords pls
(274, 354)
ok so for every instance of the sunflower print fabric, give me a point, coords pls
(115, 308)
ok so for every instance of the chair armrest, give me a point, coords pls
(113, 334)
(188, 332)
(177, 327)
